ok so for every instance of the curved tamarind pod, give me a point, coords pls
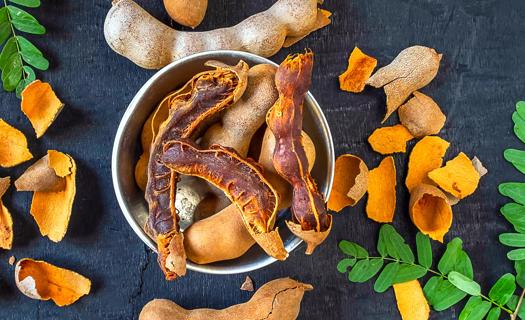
(189, 13)
(223, 235)
(135, 34)
(310, 221)
(211, 92)
(241, 180)
(279, 299)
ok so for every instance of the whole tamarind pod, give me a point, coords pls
(310, 220)
(240, 179)
(133, 33)
(279, 299)
(211, 91)
(189, 13)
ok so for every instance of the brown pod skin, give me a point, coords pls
(310, 221)
(240, 179)
(211, 92)
(279, 299)
(223, 235)
(189, 13)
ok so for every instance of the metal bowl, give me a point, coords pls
(126, 150)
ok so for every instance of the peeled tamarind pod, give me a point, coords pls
(240, 179)
(223, 236)
(189, 13)
(310, 220)
(135, 34)
(211, 92)
(279, 299)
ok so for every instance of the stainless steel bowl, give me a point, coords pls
(126, 150)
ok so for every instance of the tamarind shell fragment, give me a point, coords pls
(241, 180)
(211, 92)
(310, 220)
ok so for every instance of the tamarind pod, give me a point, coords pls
(211, 92)
(223, 235)
(133, 33)
(240, 179)
(310, 220)
(189, 13)
(279, 299)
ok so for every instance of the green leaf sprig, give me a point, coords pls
(19, 56)
(448, 285)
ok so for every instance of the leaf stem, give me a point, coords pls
(446, 278)
(514, 315)
(18, 50)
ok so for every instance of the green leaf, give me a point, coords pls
(344, 264)
(24, 21)
(441, 294)
(31, 54)
(464, 283)
(515, 214)
(30, 73)
(494, 314)
(516, 157)
(5, 31)
(513, 190)
(12, 72)
(516, 254)
(424, 250)
(27, 3)
(455, 259)
(513, 303)
(386, 277)
(353, 249)
(520, 108)
(395, 244)
(519, 266)
(408, 272)
(8, 50)
(503, 289)
(364, 270)
(512, 239)
(4, 14)
(475, 309)
(517, 119)
(381, 245)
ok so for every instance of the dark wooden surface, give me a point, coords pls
(481, 76)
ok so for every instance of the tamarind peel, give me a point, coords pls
(411, 301)
(133, 33)
(430, 211)
(350, 182)
(360, 68)
(6, 221)
(211, 92)
(52, 202)
(43, 281)
(278, 299)
(458, 177)
(421, 115)
(189, 13)
(241, 180)
(41, 105)
(310, 221)
(426, 156)
(381, 204)
(411, 70)
(388, 140)
(13, 146)
(223, 236)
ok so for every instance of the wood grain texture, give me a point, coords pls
(480, 79)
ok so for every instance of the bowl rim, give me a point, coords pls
(119, 136)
